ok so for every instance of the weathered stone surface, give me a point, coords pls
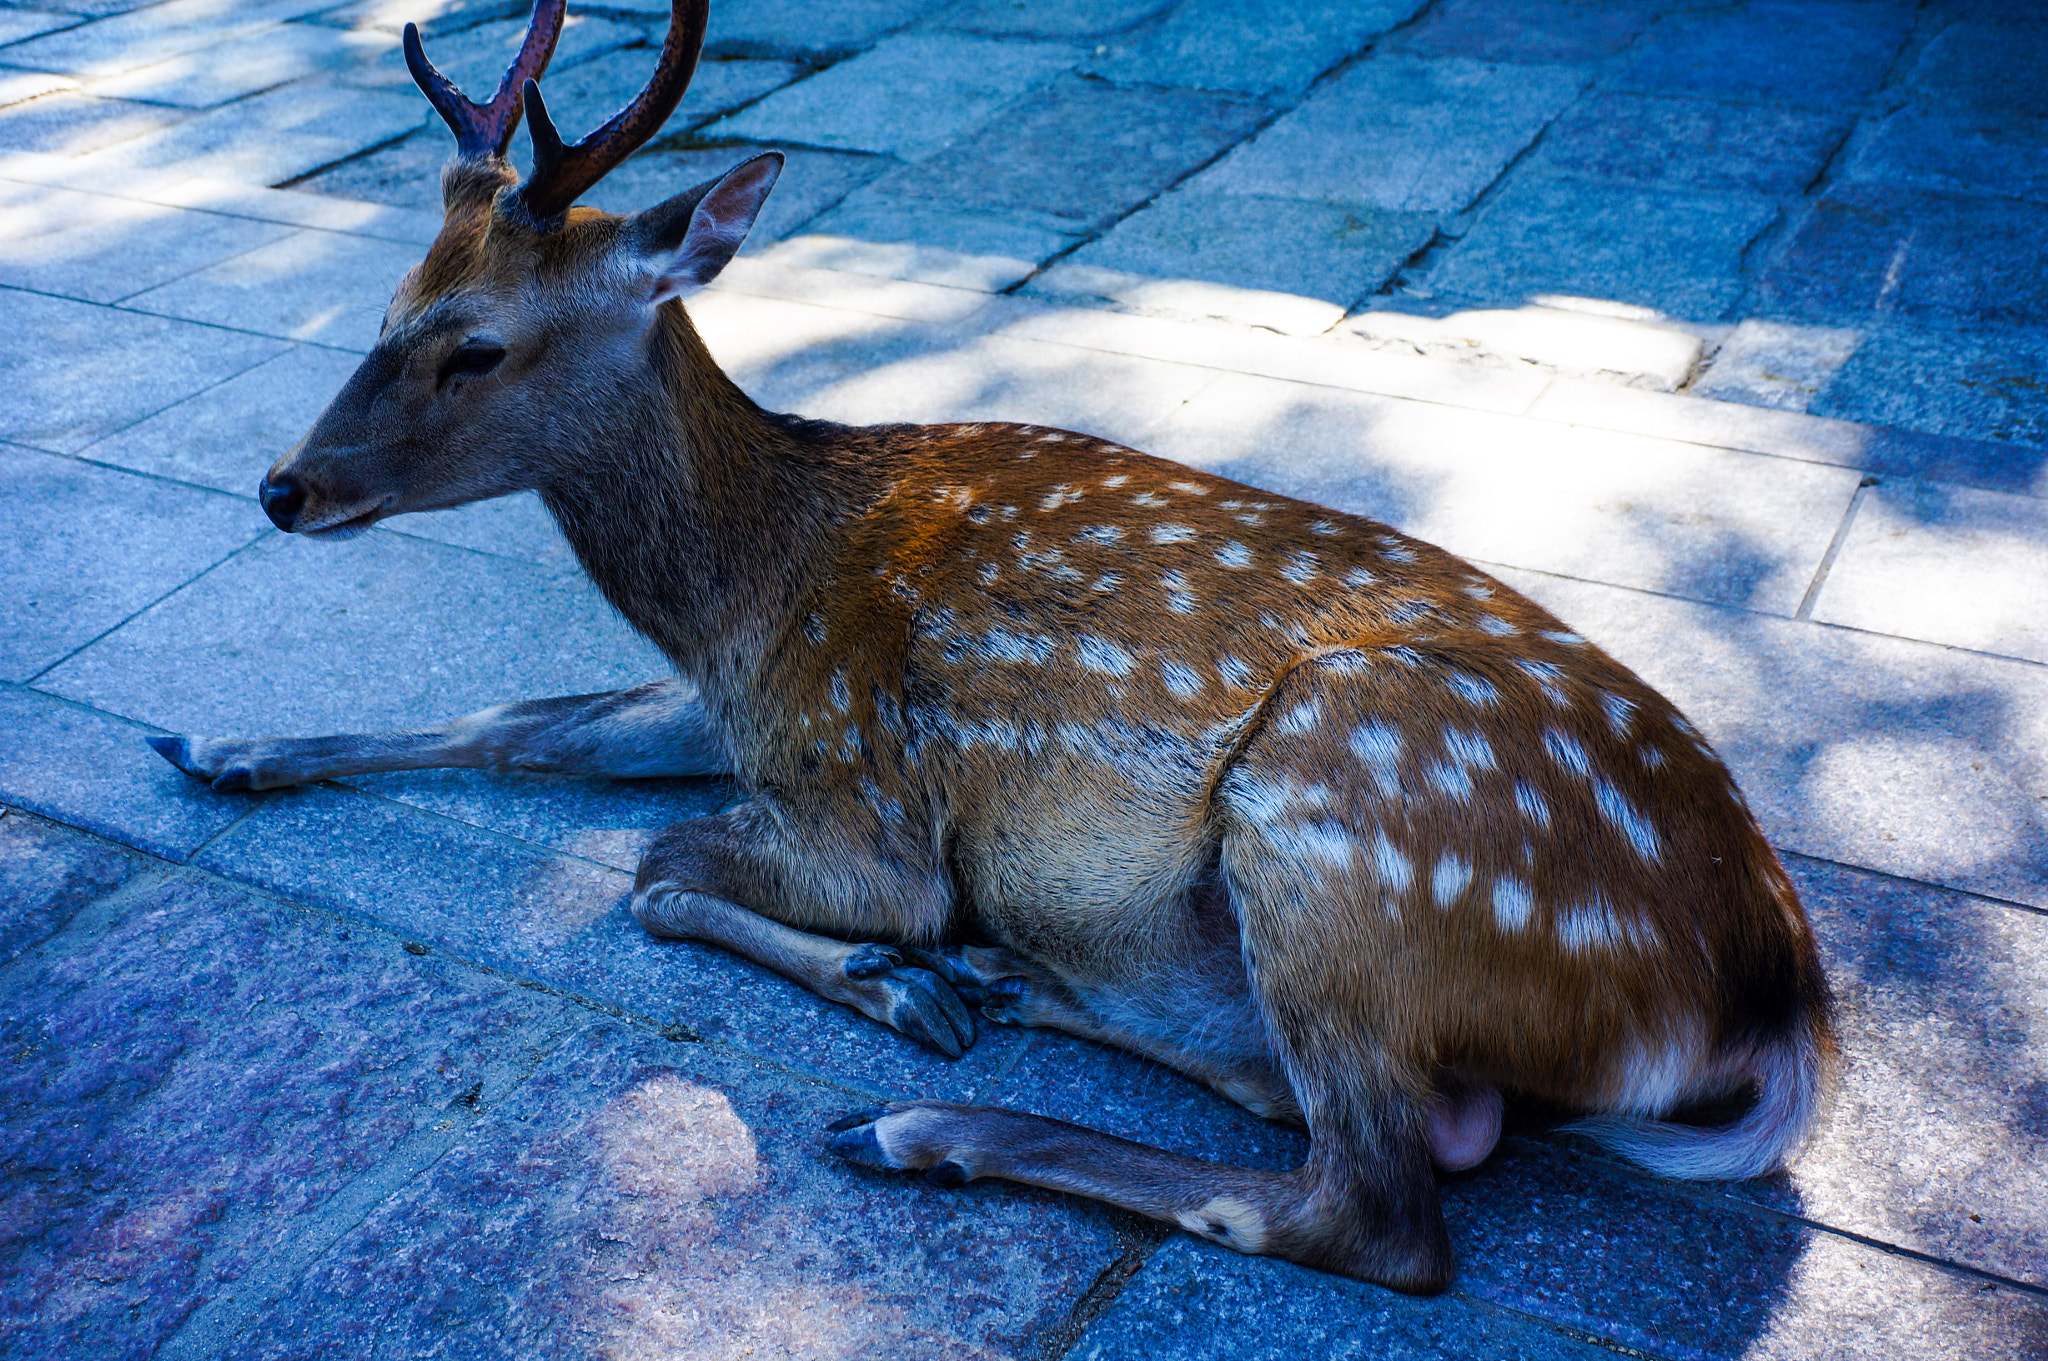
(1997, 153)
(773, 28)
(1194, 1301)
(167, 1127)
(269, 138)
(811, 182)
(1273, 47)
(384, 631)
(565, 923)
(47, 873)
(966, 248)
(1533, 31)
(1332, 254)
(151, 34)
(1904, 757)
(640, 1198)
(311, 285)
(1869, 251)
(74, 124)
(1975, 384)
(1640, 351)
(1053, 19)
(1403, 133)
(1690, 521)
(1945, 564)
(511, 527)
(227, 436)
(1651, 140)
(101, 249)
(1994, 67)
(92, 770)
(1673, 250)
(955, 82)
(242, 66)
(582, 97)
(476, 58)
(21, 86)
(17, 24)
(1078, 152)
(88, 547)
(1776, 364)
(1817, 53)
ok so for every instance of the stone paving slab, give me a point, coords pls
(476, 58)
(85, 246)
(565, 923)
(1968, 153)
(73, 124)
(1641, 351)
(150, 34)
(1988, 551)
(1777, 364)
(955, 81)
(1536, 31)
(1380, 134)
(272, 137)
(1645, 139)
(1049, 19)
(130, 1198)
(1989, 67)
(1983, 385)
(1903, 757)
(47, 874)
(1269, 47)
(923, 243)
(650, 1199)
(1681, 519)
(383, 631)
(243, 66)
(89, 547)
(749, 28)
(1817, 53)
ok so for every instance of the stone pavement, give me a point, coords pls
(1721, 329)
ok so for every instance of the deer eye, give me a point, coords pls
(471, 359)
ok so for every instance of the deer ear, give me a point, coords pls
(689, 239)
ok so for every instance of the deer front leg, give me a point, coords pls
(656, 729)
(750, 878)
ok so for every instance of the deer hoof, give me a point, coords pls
(921, 1005)
(872, 961)
(180, 752)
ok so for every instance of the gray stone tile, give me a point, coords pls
(93, 770)
(564, 923)
(270, 138)
(1533, 31)
(955, 83)
(967, 248)
(476, 58)
(1275, 47)
(1194, 1301)
(1898, 756)
(170, 1127)
(510, 526)
(1947, 565)
(292, 208)
(582, 97)
(309, 285)
(47, 873)
(383, 631)
(1975, 384)
(1970, 152)
(101, 249)
(1638, 350)
(1684, 519)
(1650, 140)
(1821, 54)
(811, 182)
(75, 124)
(1403, 133)
(1869, 251)
(88, 547)
(1077, 154)
(1776, 364)
(609, 821)
(151, 34)
(20, 86)
(650, 1199)
(1987, 66)
(17, 24)
(1676, 251)
(778, 28)
(242, 66)
(434, 17)
(1935, 1140)
(1056, 19)
(228, 436)
(1164, 255)
(405, 173)
(1625, 1261)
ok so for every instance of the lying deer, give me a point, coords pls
(1314, 813)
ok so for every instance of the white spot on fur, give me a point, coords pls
(1566, 639)
(1146, 498)
(988, 573)
(1495, 626)
(1004, 646)
(1393, 868)
(1302, 718)
(1358, 578)
(1171, 534)
(1300, 567)
(1479, 590)
(1585, 926)
(1567, 752)
(1450, 779)
(1449, 879)
(1250, 517)
(1469, 749)
(1106, 583)
(1191, 488)
(1379, 746)
(1474, 690)
(1117, 481)
(1184, 681)
(1321, 527)
(1620, 713)
(1101, 655)
(1614, 805)
(1651, 757)
(842, 694)
(1234, 554)
(1235, 673)
(1395, 551)
(1099, 534)
(814, 628)
(1532, 805)
(1512, 903)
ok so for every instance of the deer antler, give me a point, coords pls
(486, 129)
(561, 173)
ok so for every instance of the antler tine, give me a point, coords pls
(562, 173)
(486, 129)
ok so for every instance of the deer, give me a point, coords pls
(1033, 729)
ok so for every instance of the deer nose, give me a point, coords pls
(282, 500)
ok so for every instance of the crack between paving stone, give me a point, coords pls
(1572, 1331)
(1139, 1238)
(1834, 550)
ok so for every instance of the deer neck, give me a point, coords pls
(700, 516)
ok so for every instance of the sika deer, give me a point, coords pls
(1282, 798)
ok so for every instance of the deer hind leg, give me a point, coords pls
(1010, 990)
(656, 729)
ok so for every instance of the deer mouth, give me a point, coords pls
(348, 526)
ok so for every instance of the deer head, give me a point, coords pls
(530, 334)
